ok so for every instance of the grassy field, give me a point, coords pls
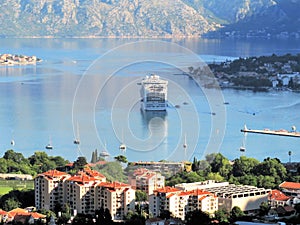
(8, 185)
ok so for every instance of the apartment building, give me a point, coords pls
(146, 180)
(118, 197)
(49, 189)
(85, 192)
(179, 203)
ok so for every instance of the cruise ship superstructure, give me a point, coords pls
(154, 93)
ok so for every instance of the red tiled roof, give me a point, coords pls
(36, 215)
(93, 173)
(54, 173)
(167, 189)
(170, 195)
(2, 212)
(278, 196)
(18, 211)
(113, 185)
(290, 185)
(82, 178)
(203, 197)
(195, 193)
(71, 164)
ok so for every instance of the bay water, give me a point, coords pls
(88, 89)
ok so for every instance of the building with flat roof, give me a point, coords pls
(248, 198)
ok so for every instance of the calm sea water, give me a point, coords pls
(88, 88)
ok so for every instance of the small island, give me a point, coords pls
(11, 60)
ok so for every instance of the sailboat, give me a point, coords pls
(49, 145)
(77, 140)
(122, 146)
(243, 147)
(185, 145)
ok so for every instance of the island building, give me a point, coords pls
(85, 192)
(179, 202)
(248, 198)
(146, 180)
(290, 188)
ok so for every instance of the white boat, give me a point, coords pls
(49, 145)
(104, 154)
(77, 140)
(154, 93)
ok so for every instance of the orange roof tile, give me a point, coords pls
(81, 178)
(167, 189)
(54, 173)
(2, 212)
(290, 185)
(36, 215)
(113, 185)
(18, 211)
(278, 196)
(203, 197)
(170, 195)
(93, 173)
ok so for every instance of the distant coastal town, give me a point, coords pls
(256, 73)
(11, 60)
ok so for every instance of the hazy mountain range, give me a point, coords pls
(19, 18)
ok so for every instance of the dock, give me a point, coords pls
(273, 132)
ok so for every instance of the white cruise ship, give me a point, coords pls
(154, 93)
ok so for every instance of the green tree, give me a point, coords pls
(3, 165)
(140, 196)
(121, 158)
(219, 164)
(243, 166)
(94, 157)
(80, 163)
(11, 203)
(41, 162)
(215, 176)
(194, 217)
(236, 213)
(263, 209)
(271, 168)
(113, 171)
(14, 156)
(222, 215)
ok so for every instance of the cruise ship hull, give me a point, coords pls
(154, 94)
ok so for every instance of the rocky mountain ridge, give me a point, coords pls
(122, 18)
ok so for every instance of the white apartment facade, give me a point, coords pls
(85, 192)
(179, 202)
(49, 189)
